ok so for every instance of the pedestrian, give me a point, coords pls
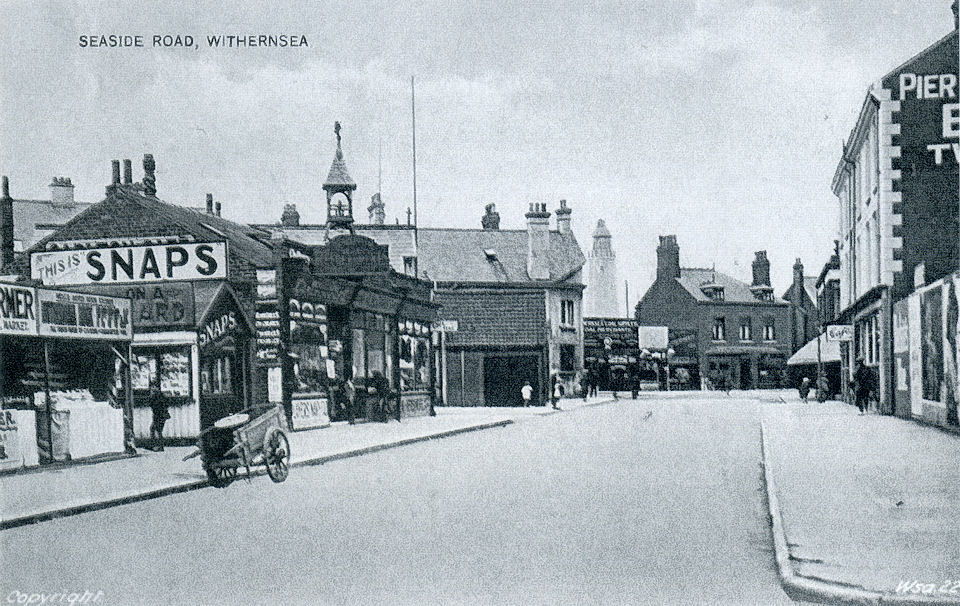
(557, 394)
(805, 389)
(861, 384)
(161, 413)
(380, 389)
(526, 392)
(350, 397)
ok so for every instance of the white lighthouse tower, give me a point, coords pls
(601, 293)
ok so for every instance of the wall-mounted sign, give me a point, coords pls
(217, 328)
(446, 326)
(127, 264)
(654, 337)
(18, 311)
(622, 332)
(10, 455)
(82, 315)
(266, 284)
(310, 413)
(155, 305)
(840, 332)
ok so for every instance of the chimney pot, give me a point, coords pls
(209, 204)
(116, 172)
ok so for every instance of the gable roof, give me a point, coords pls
(491, 255)
(809, 287)
(127, 213)
(734, 291)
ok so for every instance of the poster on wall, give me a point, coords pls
(901, 357)
(931, 346)
(10, 455)
(84, 316)
(950, 349)
(310, 413)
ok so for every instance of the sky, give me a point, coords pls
(720, 121)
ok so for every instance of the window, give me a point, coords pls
(568, 358)
(769, 330)
(719, 329)
(746, 329)
(566, 313)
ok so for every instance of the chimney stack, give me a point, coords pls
(209, 204)
(6, 229)
(668, 258)
(61, 192)
(956, 15)
(149, 179)
(491, 218)
(290, 216)
(219, 207)
(538, 242)
(116, 173)
(761, 269)
(127, 172)
(563, 218)
(798, 273)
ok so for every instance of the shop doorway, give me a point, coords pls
(746, 374)
(505, 376)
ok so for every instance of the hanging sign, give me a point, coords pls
(18, 310)
(126, 264)
(840, 332)
(85, 316)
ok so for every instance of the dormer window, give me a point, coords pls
(713, 291)
(762, 293)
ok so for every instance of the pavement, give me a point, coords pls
(40, 494)
(865, 509)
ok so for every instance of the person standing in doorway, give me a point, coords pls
(161, 413)
(526, 392)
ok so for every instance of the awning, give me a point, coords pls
(829, 352)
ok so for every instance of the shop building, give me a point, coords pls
(345, 314)
(897, 185)
(35, 219)
(723, 331)
(64, 378)
(192, 278)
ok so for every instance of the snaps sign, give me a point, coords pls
(126, 264)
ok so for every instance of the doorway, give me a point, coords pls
(505, 376)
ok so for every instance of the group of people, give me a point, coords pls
(556, 392)
(348, 402)
(861, 385)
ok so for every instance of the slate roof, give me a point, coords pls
(502, 319)
(28, 213)
(734, 291)
(809, 285)
(458, 255)
(127, 212)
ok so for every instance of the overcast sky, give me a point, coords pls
(718, 121)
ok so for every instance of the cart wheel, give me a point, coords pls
(276, 453)
(221, 477)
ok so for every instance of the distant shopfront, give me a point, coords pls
(612, 352)
(63, 375)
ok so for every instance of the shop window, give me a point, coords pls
(170, 368)
(719, 329)
(414, 363)
(568, 358)
(746, 329)
(567, 317)
(216, 376)
(309, 366)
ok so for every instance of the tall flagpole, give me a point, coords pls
(413, 112)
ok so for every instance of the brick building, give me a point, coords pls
(897, 185)
(735, 334)
(802, 297)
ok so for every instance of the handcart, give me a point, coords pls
(254, 436)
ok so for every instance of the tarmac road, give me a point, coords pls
(632, 502)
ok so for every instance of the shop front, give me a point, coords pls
(349, 317)
(612, 353)
(64, 375)
(191, 354)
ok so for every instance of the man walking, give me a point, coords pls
(861, 383)
(526, 392)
